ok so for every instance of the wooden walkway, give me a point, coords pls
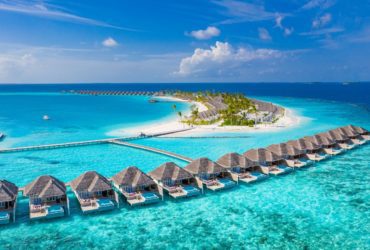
(86, 143)
(154, 150)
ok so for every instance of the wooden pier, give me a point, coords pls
(154, 150)
(114, 93)
(87, 143)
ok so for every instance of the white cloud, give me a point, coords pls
(322, 31)
(264, 34)
(243, 12)
(321, 21)
(221, 58)
(323, 4)
(44, 11)
(208, 33)
(279, 23)
(110, 42)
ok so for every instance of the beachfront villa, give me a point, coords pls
(312, 150)
(246, 170)
(176, 181)
(270, 162)
(8, 201)
(94, 192)
(137, 187)
(211, 174)
(47, 197)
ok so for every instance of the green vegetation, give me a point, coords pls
(233, 109)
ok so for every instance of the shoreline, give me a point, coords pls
(289, 120)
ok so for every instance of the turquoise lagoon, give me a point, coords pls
(323, 207)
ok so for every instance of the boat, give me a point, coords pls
(46, 118)
(153, 100)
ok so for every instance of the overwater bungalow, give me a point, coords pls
(311, 150)
(48, 198)
(356, 134)
(328, 145)
(270, 162)
(136, 186)
(211, 174)
(245, 169)
(342, 140)
(94, 192)
(294, 157)
(176, 181)
(8, 201)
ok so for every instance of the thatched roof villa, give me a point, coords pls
(94, 192)
(211, 174)
(239, 165)
(270, 162)
(293, 156)
(47, 197)
(136, 186)
(175, 180)
(8, 200)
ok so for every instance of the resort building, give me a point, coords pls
(176, 181)
(342, 140)
(293, 156)
(94, 192)
(361, 131)
(329, 146)
(312, 150)
(211, 174)
(245, 169)
(356, 134)
(47, 197)
(8, 201)
(137, 187)
(270, 162)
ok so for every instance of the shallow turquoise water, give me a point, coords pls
(322, 207)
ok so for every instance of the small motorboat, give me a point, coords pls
(153, 100)
(46, 118)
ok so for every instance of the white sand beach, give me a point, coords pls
(289, 120)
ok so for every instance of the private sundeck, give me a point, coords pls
(94, 192)
(177, 182)
(48, 198)
(245, 169)
(211, 174)
(137, 187)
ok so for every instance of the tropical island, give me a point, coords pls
(227, 109)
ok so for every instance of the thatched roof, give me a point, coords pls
(320, 140)
(348, 131)
(262, 155)
(45, 186)
(204, 165)
(132, 177)
(90, 181)
(284, 149)
(335, 135)
(356, 129)
(8, 191)
(231, 160)
(303, 144)
(170, 171)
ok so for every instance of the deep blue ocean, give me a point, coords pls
(326, 206)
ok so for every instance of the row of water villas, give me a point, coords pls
(48, 195)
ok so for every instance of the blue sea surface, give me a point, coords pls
(326, 206)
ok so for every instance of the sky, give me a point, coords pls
(94, 41)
